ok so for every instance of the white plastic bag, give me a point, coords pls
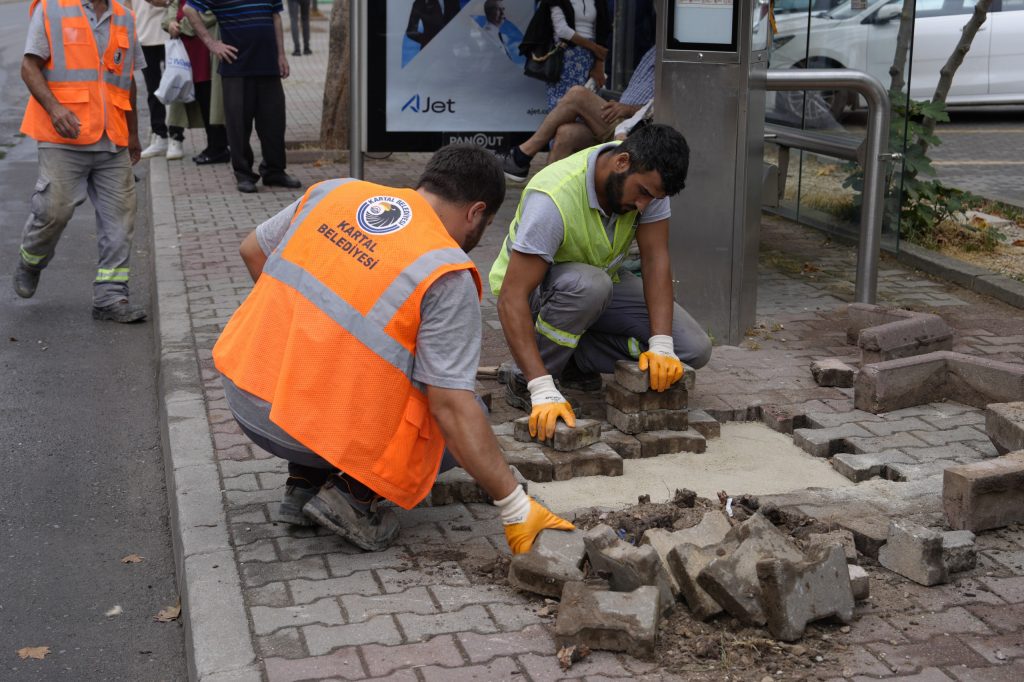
(176, 82)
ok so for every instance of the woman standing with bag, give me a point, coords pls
(582, 24)
(208, 109)
(147, 25)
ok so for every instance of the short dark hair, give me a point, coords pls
(463, 174)
(661, 148)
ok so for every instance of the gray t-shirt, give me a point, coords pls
(448, 341)
(541, 230)
(37, 44)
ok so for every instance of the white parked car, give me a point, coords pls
(865, 39)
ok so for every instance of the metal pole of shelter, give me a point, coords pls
(355, 90)
(875, 153)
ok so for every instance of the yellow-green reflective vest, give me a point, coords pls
(585, 239)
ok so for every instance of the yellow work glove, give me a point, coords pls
(661, 363)
(525, 518)
(547, 405)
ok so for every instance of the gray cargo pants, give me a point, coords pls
(66, 177)
(580, 313)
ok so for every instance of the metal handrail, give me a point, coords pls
(875, 152)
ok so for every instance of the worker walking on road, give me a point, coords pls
(355, 355)
(567, 311)
(78, 64)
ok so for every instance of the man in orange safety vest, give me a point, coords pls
(355, 355)
(78, 64)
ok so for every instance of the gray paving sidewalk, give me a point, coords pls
(267, 601)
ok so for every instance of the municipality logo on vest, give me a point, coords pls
(383, 214)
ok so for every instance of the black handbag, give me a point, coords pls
(546, 66)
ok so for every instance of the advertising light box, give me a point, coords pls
(441, 71)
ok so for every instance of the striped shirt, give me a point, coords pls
(247, 25)
(641, 84)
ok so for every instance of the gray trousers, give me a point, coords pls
(66, 177)
(581, 314)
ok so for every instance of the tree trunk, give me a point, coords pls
(899, 62)
(954, 62)
(334, 125)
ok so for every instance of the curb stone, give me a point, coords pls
(972, 277)
(218, 646)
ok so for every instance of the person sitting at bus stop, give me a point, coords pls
(355, 355)
(567, 310)
(580, 119)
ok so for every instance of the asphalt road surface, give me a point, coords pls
(982, 151)
(83, 480)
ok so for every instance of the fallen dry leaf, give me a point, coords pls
(36, 652)
(168, 614)
(1018, 242)
(132, 559)
(116, 610)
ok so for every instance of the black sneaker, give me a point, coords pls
(121, 311)
(295, 498)
(281, 180)
(372, 531)
(513, 171)
(26, 280)
(575, 378)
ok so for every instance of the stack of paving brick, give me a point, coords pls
(752, 571)
(649, 423)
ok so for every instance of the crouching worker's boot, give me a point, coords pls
(367, 525)
(297, 492)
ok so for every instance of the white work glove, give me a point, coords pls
(661, 362)
(547, 405)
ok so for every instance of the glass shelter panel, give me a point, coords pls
(855, 34)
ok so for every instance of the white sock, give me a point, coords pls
(514, 508)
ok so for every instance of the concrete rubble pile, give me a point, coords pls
(613, 594)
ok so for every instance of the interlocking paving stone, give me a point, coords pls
(361, 608)
(344, 663)
(256, 574)
(266, 619)
(383, 660)
(471, 618)
(446, 572)
(322, 639)
(498, 669)
(341, 565)
(532, 639)
(304, 591)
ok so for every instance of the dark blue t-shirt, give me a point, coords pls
(247, 25)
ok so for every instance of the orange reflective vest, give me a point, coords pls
(98, 94)
(328, 334)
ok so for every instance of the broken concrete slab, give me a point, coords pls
(732, 580)
(630, 377)
(958, 551)
(555, 559)
(625, 444)
(795, 593)
(609, 621)
(870, 532)
(840, 538)
(685, 562)
(710, 531)
(914, 552)
(777, 418)
(861, 467)
(704, 424)
(860, 584)
(985, 495)
(456, 486)
(652, 420)
(1004, 425)
(630, 402)
(943, 375)
(566, 438)
(598, 459)
(862, 316)
(832, 372)
(625, 566)
(654, 443)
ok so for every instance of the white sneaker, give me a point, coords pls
(174, 150)
(157, 147)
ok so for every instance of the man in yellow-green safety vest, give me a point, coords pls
(567, 310)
